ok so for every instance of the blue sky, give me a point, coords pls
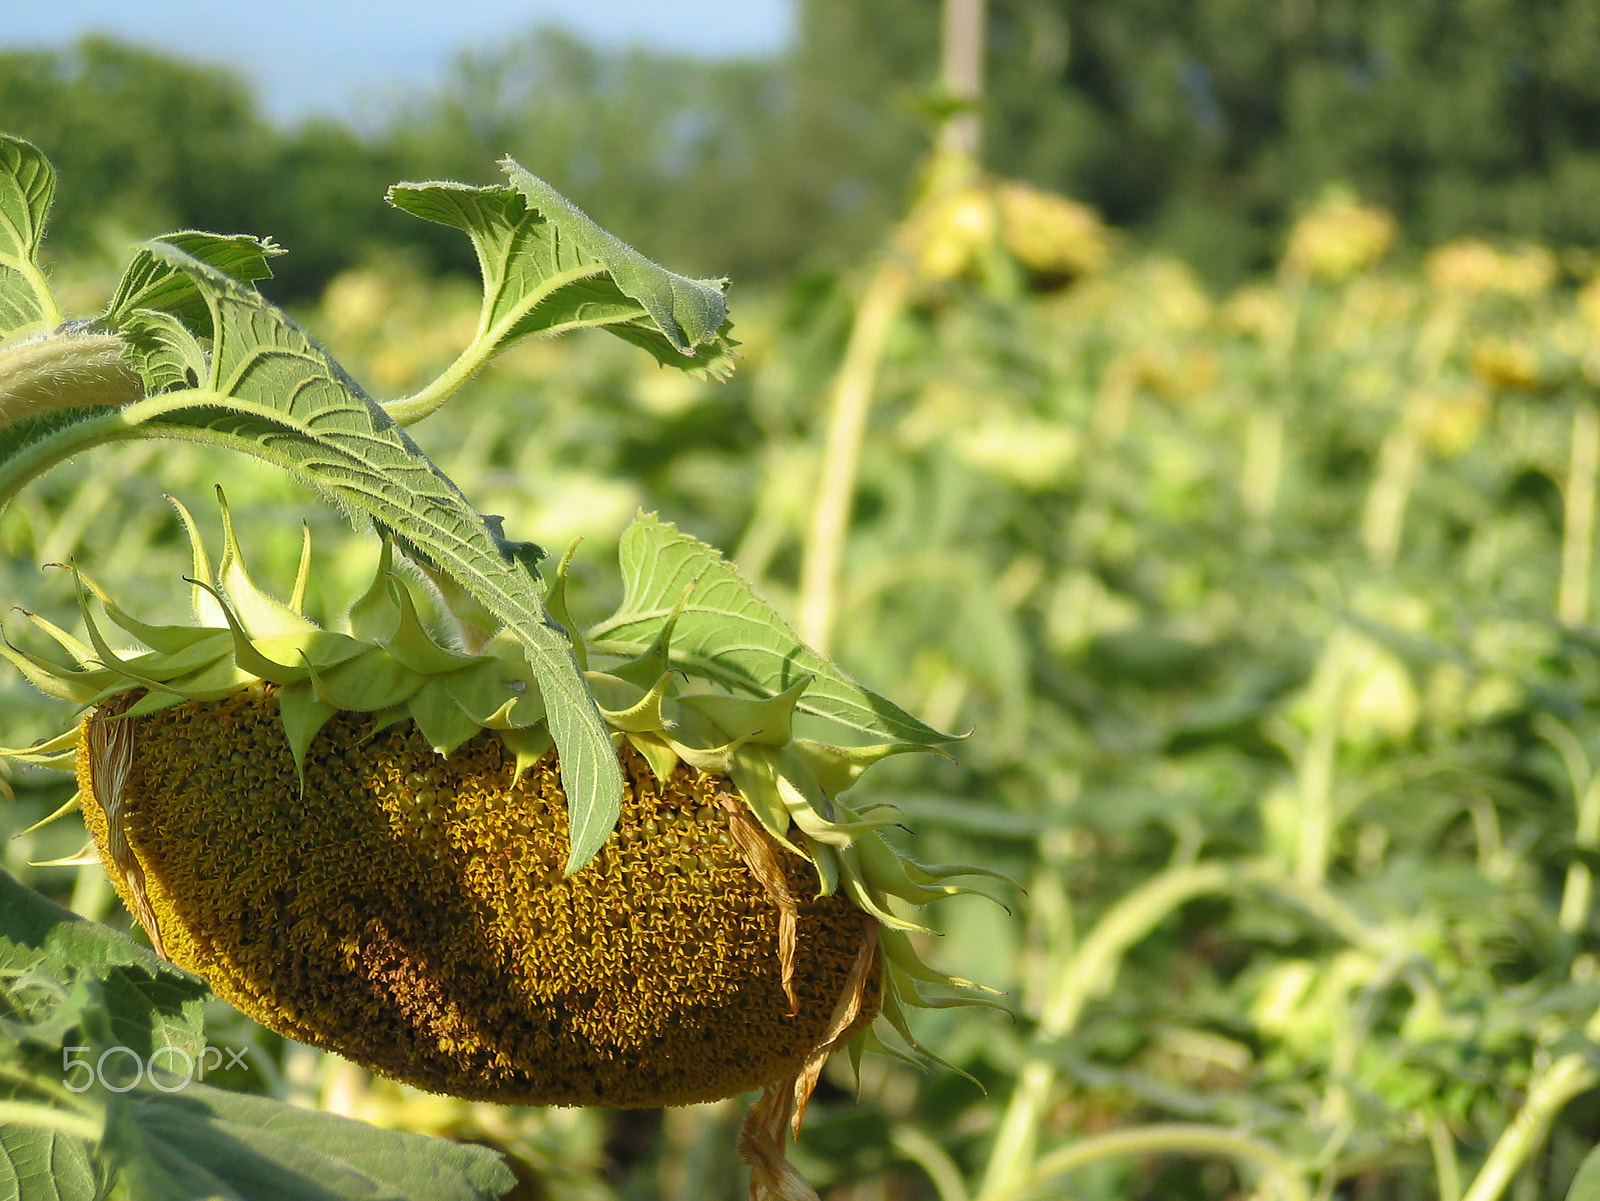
(347, 58)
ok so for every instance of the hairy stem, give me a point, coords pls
(921, 1149)
(1446, 1164)
(488, 342)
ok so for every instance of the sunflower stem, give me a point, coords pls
(1164, 1139)
(841, 451)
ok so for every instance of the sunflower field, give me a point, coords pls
(1271, 616)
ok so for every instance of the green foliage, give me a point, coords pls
(726, 631)
(80, 1005)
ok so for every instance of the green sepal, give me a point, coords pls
(85, 855)
(526, 705)
(168, 640)
(199, 655)
(529, 745)
(248, 658)
(894, 1013)
(656, 660)
(866, 896)
(663, 760)
(410, 645)
(84, 654)
(757, 781)
(903, 959)
(217, 680)
(49, 678)
(375, 617)
(325, 649)
(155, 702)
(883, 870)
(484, 693)
(302, 573)
(838, 767)
(303, 717)
(71, 805)
(926, 1000)
(261, 615)
(65, 761)
(555, 603)
(440, 720)
(67, 740)
(208, 610)
(369, 682)
(394, 715)
(168, 669)
(113, 664)
(644, 716)
(924, 873)
(765, 722)
(826, 860)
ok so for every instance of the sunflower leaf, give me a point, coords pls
(729, 634)
(547, 268)
(27, 188)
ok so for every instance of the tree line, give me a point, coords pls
(1201, 126)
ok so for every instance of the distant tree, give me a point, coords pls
(686, 158)
(1205, 124)
(145, 143)
(152, 139)
(1201, 125)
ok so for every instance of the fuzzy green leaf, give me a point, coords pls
(547, 268)
(27, 187)
(155, 283)
(204, 1142)
(45, 1165)
(729, 634)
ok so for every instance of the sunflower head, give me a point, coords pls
(359, 837)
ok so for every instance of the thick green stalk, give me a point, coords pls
(1399, 463)
(1585, 783)
(1446, 1164)
(1318, 761)
(921, 1149)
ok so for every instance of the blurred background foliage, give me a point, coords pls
(1205, 127)
(1244, 507)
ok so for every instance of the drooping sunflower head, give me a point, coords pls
(359, 837)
